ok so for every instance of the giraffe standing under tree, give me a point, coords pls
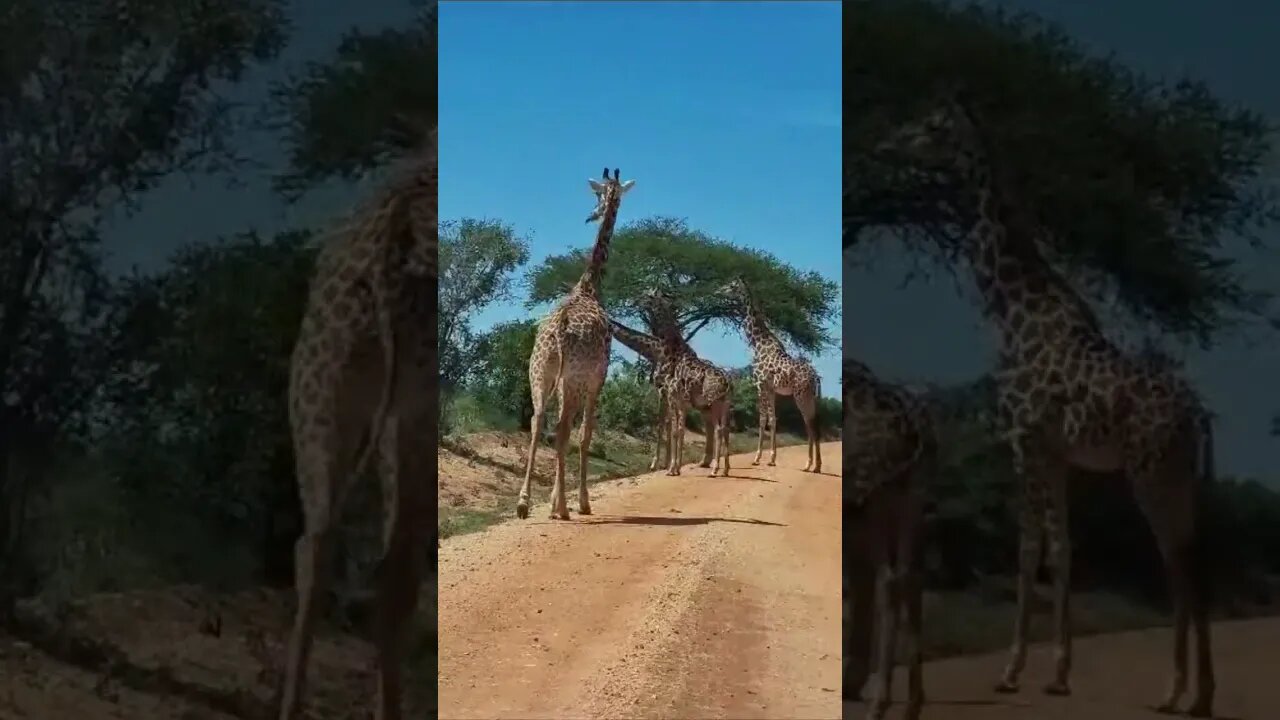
(363, 387)
(890, 452)
(1067, 396)
(690, 381)
(571, 355)
(777, 373)
(652, 349)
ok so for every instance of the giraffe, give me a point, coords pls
(690, 381)
(362, 388)
(651, 349)
(777, 373)
(1068, 397)
(890, 452)
(570, 357)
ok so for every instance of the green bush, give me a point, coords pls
(628, 402)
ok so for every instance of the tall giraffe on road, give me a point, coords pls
(777, 373)
(570, 357)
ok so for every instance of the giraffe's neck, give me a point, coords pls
(1026, 299)
(646, 346)
(759, 336)
(665, 328)
(589, 283)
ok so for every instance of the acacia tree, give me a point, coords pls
(353, 113)
(477, 258)
(1141, 183)
(99, 103)
(693, 267)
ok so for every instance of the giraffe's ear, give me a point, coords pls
(628, 185)
(596, 185)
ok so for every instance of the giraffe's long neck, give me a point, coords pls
(589, 283)
(759, 336)
(646, 346)
(662, 322)
(1022, 294)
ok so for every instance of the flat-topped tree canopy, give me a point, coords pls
(1143, 185)
(692, 267)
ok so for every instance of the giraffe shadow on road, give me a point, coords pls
(1157, 713)
(740, 477)
(664, 520)
(857, 708)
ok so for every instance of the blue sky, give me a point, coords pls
(726, 114)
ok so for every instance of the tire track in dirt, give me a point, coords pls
(689, 596)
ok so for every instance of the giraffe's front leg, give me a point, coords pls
(773, 433)
(559, 506)
(764, 402)
(1057, 527)
(584, 451)
(887, 595)
(1031, 512)
(659, 431)
(675, 418)
(708, 447)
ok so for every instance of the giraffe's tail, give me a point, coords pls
(562, 322)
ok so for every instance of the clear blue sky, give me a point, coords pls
(726, 114)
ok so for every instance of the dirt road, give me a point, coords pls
(1115, 677)
(688, 597)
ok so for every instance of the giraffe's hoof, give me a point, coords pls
(563, 515)
(1006, 687)
(772, 464)
(522, 511)
(584, 510)
(755, 462)
(1057, 688)
(704, 465)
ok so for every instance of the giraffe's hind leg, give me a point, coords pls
(584, 449)
(807, 403)
(564, 423)
(860, 581)
(404, 470)
(722, 438)
(708, 433)
(541, 384)
(1169, 505)
(324, 452)
(1027, 469)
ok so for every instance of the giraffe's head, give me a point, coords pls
(944, 139)
(608, 193)
(659, 307)
(736, 294)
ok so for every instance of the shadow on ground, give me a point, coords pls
(659, 520)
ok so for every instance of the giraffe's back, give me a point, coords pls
(577, 334)
(888, 433)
